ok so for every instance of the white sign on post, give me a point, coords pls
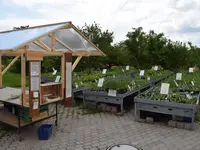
(68, 81)
(35, 68)
(35, 105)
(191, 70)
(164, 88)
(100, 83)
(178, 76)
(155, 68)
(127, 67)
(141, 72)
(104, 71)
(112, 92)
(35, 83)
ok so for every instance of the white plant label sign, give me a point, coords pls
(164, 88)
(113, 76)
(122, 70)
(141, 72)
(148, 78)
(127, 67)
(57, 79)
(155, 68)
(100, 82)
(104, 71)
(178, 76)
(192, 83)
(129, 87)
(188, 96)
(191, 70)
(176, 83)
(68, 81)
(76, 85)
(112, 92)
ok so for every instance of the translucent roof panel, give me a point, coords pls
(33, 46)
(47, 40)
(10, 40)
(74, 40)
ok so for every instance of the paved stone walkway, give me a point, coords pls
(99, 131)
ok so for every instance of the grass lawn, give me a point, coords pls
(12, 80)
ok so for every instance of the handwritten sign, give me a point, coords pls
(164, 88)
(35, 68)
(178, 76)
(191, 70)
(127, 67)
(35, 83)
(112, 93)
(141, 72)
(100, 82)
(104, 71)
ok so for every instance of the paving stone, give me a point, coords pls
(141, 120)
(149, 120)
(98, 131)
(188, 126)
(180, 125)
(172, 123)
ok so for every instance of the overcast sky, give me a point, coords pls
(178, 19)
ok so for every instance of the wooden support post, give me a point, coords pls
(68, 80)
(63, 75)
(1, 72)
(23, 78)
(76, 62)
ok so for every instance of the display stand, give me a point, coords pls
(31, 45)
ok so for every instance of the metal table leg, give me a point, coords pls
(56, 122)
(19, 125)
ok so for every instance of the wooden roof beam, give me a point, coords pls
(43, 45)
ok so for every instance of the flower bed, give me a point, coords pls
(124, 88)
(176, 102)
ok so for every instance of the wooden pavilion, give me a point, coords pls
(32, 44)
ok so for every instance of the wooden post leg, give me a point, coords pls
(23, 78)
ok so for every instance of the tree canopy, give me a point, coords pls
(140, 49)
